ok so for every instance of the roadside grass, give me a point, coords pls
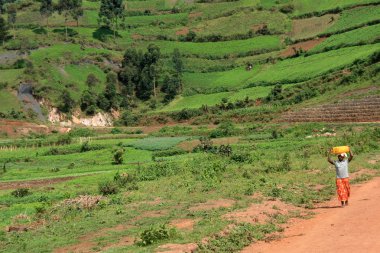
(165, 190)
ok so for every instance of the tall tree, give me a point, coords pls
(12, 15)
(46, 10)
(110, 12)
(3, 30)
(178, 66)
(69, 8)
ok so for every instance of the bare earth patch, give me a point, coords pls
(305, 46)
(182, 31)
(33, 183)
(87, 242)
(259, 213)
(184, 224)
(178, 248)
(213, 204)
(195, 14)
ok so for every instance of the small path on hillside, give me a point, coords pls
(355, 228)
(34, 183)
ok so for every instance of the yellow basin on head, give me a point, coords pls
(340, 150)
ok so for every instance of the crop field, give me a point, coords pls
(355, 18)
(223, 48)
(307, 6)
(287, 71)
(311, 27)
(367, 34)
(232, 24)
(218, 80)
(196, 101)
(201, 188)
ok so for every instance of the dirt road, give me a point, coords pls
(353, 229)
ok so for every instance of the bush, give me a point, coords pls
(241, 157)
(71, 166)
(64, 139)
(108, 187)
(226, 128)
(124, 180)
(155, 234)
(85, 147)
(21, 192)
(118, 156)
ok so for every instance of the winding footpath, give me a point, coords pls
(353, 229)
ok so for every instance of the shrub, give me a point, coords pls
(226, 128)
(155, 234)
(118, 156)
(21, 192)
(85, 147)
(71, 166)
(64, 139)
(241, 157)
(125, 180)
(55, 169)
(108, 187)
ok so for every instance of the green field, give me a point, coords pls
(172, 188)
(303, 68)
(221, 49)
(196, 101)
(307, 6)
(355, 18)
(367, 34)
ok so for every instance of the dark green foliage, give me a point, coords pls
(156, 234)
(126, 180)
(241, 157)
(46, 9)
(225, 150)
(110, 12)
(70, 8)
(92, 80)
(128, 119)
(64, 139)
(287, 9)
(67, 103)
(85, 147)
(21, 192)
(108, 187)
(206, 145)
(171, 86)
(275, 94)
(169, 152)
(140, 72)
(225, 129)
(88, 102)
(3, 30)
(118, 156)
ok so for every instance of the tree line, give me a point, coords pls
(110, 12)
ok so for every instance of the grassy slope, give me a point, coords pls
(302, 68)
(367, 34)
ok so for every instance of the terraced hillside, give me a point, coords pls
(226, 50)
(359, 110)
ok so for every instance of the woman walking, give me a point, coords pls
(342, 177)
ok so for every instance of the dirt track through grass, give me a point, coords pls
(350, 229)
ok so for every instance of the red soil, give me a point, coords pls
(213, 204)
(334, 229)
(182, 31)
(33, 183)
(177, 248)
(305, 46)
